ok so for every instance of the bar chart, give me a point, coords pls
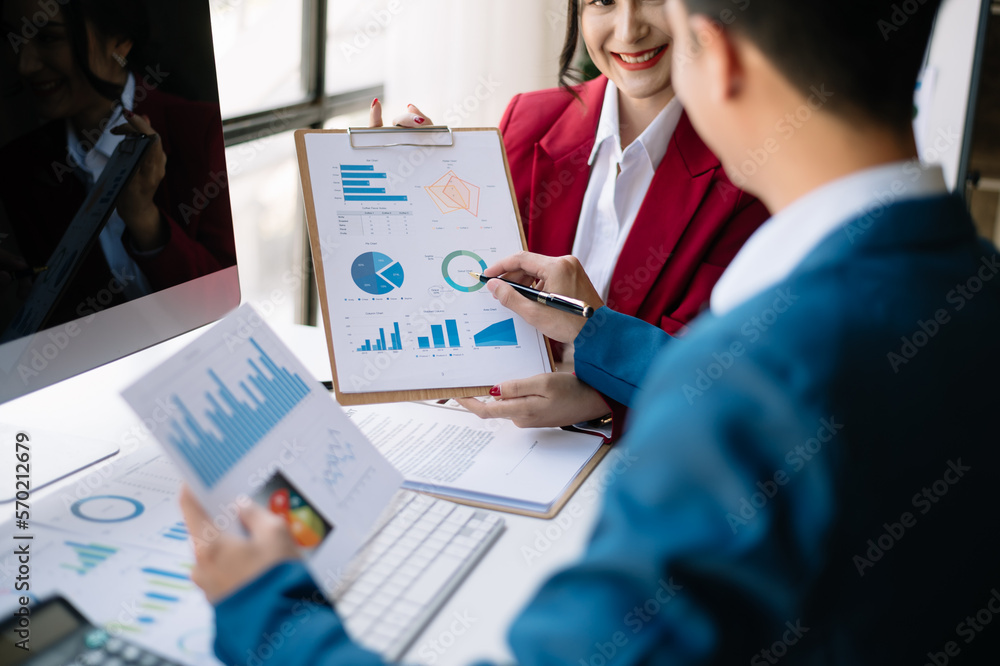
(89, 555)
(214, 444)
(396, 342)
(438, 336)
(176, 532)
(362, 183)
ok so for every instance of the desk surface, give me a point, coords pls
(471, 625)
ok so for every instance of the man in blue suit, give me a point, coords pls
(817, 457)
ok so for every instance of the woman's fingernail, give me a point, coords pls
(128, 114)
(375, 101)
(418, 120)
(495, 391)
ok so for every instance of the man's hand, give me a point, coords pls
(225, 562)
(550, 399)
(557, 275)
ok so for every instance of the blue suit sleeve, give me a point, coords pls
(613, 353)
(283, 618)
(680, 568)
(676, 571)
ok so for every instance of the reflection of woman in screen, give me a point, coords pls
(84, 70)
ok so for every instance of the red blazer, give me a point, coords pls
(41, 194)
(689, 227)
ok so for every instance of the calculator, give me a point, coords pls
(61, 636)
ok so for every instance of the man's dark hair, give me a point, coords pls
(867, 53)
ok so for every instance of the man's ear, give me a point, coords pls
(722, 67)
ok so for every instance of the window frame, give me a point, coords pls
(313, 112)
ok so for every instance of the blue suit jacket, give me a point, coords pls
(814, 480)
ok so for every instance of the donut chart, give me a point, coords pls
(376, 273)
(455, 278)
(107, 509)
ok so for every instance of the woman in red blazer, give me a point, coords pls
(691, 222)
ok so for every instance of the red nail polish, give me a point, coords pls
(128, 114)
(375, 101)
(495, 391)
(418, 120)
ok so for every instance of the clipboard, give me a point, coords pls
(373, 272)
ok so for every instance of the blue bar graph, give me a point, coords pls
(438, 336)
(176, 532)
(166, 574)
(374, 197)
(358, 184)
(452, 327)
(437, 332)
(89, 555)
(238, 424)
(162, 597)
(395, 338)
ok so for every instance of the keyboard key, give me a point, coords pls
(432, 580)
(442, 508)
(408, 563)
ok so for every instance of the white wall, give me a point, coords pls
(461, 61)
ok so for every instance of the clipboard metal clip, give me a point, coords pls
(433, 129)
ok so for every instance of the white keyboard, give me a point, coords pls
(409, 567)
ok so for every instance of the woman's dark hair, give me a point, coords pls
(568, 75)
(125, 19)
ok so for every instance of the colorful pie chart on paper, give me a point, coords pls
(376, 273)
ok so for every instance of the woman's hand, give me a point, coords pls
(224, 562)
(135, 204)
(558, 275)
(550, 399)
(413, 117)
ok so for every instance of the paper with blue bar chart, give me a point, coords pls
(395, 232)
(244, 421)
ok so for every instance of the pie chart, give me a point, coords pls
(376, 273)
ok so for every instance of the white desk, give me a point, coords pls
(471, 625)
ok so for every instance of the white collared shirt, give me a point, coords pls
(612, 199)
(90, 161)
(781, 243)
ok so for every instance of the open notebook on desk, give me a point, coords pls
(454, 454)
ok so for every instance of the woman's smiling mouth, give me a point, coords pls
(642, 59)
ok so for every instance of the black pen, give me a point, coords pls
(564, 303)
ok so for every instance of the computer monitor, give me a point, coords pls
(948, 87)
(127, 270)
